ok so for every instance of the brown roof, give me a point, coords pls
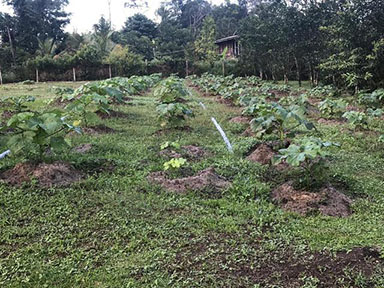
(227, 39)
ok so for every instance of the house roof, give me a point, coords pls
(227, 39)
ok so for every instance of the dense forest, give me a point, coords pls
(329, 41)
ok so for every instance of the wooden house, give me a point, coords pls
(230, 43)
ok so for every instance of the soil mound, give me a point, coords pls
(240, 120)
(84, 148)
(263, 155)
(205, 181)
(330, 121)
(328, 201)
(57, 174)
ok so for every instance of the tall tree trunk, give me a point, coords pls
(12, 48)
(74, 74)
(298, 71)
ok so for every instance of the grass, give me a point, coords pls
(114, 229)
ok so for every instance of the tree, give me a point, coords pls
(205, 47)
(38, 19)
(102, 37)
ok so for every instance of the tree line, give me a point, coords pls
(339, 42)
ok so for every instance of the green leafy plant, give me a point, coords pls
(332, 108)
(174, 164)
(166, 145)
(276, 118)
(359, 120)
(373, 100)
(17, 104)
(86, 106)
(39, 132)
(172, 109)
(309, 154)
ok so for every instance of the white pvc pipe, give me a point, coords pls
(225, 138)
(5, 154)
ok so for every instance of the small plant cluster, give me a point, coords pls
(173, 108)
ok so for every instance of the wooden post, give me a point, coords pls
(186, 68)
(223, 67)
(74, 74)
(110, 71)
(37, 75)
(1, 78)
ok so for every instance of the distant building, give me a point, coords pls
(232, 45)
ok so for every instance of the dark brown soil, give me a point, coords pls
(248, 132)
(7, 115)
(330, 121)
(57, 174)
(354, 108)
(112, 114)
(328, 201)
(84, 148)
(280, 267)
(205, 181)
(60, 103)
(279, 94)
(190, 152)
(240, 120)
(263, 155)
(222, 100)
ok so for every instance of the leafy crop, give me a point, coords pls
(174, 164)
(332, 108)
(276, 118)
(359, 120)
(172, 109)
(39, 131)
(17, 104)
(309, 154)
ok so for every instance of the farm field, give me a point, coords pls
(115, 226)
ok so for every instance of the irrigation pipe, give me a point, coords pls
(5, 154)
(221, 131)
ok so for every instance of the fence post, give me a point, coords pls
(74, 74)
(37, 75)
(186, 68)
(110, 71)
(1, 77)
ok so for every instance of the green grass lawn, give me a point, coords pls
(114, 229)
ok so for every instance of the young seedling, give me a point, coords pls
(174, 164)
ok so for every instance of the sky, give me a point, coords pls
(85, 13)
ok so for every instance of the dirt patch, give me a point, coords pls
(193, 152)
(7, 115)
(221, 255)
(57, 174)
(240, 120)
(354, 108)
(82, 149)
(263, 155)
(61, 103)
(279, 94)
(331, 121)
(112, 114)
(222, 100)
(205, 181)
(248, 132)
(328, 201)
